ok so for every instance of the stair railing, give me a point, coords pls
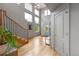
(14, 27)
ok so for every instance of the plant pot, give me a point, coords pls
(3, 48)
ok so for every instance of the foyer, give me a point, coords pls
(39, 29)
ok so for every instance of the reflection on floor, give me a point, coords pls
(37, 47)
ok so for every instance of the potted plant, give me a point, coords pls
(7, 41)
(3, 45)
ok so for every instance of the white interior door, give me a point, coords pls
(59, 33)
(62, 32)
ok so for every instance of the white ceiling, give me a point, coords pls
(52, 6)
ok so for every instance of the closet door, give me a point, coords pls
(59, 33)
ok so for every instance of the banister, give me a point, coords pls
(15, 22)
(12, 19)
(13, 26)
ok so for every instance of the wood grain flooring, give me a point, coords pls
(37, 47)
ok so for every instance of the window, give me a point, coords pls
(37, 24)
(36, 20)
(28, 6)
(37, 28)
(36, 12)
(28, 17)
(46, 28)
(47, 12)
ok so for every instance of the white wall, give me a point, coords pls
(74, 29)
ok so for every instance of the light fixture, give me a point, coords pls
(18, 3)
(38, 5)
(35, 6)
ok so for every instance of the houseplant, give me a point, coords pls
(2, 40)
(6, 37)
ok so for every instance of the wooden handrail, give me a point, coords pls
(15, 22)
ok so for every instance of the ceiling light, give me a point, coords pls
(35, 6)
(18, 3)
(38, 5)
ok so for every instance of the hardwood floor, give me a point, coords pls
(37, 47)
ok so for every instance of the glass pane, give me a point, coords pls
(28, 6)
(36, 20)
(46, 28)
(45, 12)
(37, 28)
(48, 12)
(28, 17)
(36, 12)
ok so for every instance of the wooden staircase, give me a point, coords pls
(16, 29)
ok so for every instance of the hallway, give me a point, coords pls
(37, 47)
(58, 22)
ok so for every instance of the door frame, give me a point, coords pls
(65, 9)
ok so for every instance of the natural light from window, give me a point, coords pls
(47, 12)
(36, 20)
(28, 17)
(28, 6)
(36, 12)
